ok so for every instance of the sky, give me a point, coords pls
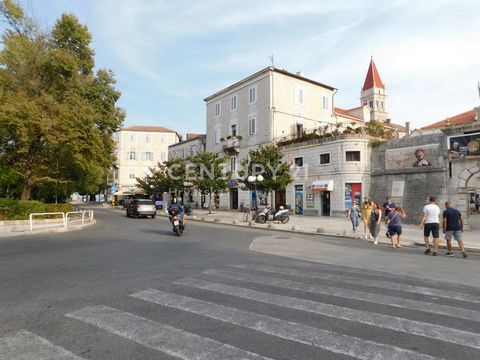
(169, 55)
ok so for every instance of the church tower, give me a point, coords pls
(373, 94)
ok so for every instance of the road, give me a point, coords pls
(129, 289)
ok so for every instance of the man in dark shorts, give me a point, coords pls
(453, 227)
(430, 224)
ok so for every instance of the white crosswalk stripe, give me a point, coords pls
(328, 340)
(356, 280)
(438, 332)
(27, 346)
(350, 294)
(155, 335)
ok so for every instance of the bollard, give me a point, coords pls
(251, 223)
(320, 230)
(271, 226)
(295, 228)
(235, 222)
(217, 220)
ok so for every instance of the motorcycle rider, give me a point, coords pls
(177, 208)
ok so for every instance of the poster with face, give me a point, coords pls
(461, 146)
(412, 157)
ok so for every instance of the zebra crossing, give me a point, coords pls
(238, 295)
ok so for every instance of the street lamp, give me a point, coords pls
(252, 179)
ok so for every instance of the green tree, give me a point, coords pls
(53, 108)
(208, 174)
(267, 161)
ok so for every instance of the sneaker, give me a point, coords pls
(434, 253)
(449, 253)
(427, 251)
(464, 254)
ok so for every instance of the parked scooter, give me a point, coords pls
(281, 215)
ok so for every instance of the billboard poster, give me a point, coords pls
(412, 157)
(461, 146)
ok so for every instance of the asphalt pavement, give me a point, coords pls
(130, 289)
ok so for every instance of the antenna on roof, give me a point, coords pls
(478, 85)
(272, 60)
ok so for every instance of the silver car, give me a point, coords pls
(141, 207)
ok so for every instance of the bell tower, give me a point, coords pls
(373, 94)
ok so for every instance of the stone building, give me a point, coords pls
(193, 144)
(137, 149)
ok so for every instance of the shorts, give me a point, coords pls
(395, 230)
(433, 228)
(457, 235)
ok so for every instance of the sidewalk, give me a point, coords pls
(412, 234)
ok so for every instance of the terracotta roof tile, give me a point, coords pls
(373, 77)
(147, 129)
(465, 118)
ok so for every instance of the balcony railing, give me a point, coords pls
(231, 144)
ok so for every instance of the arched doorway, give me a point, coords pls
(472, 187)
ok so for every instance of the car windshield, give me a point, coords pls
(145, 202)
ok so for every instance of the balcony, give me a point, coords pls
(231, 144)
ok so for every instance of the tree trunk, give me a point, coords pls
(26, 192)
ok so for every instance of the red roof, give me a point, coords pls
(373, 78)
(147, 129)
(460, 119)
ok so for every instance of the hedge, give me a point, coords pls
(21, 209)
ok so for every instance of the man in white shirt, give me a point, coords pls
(430, 223)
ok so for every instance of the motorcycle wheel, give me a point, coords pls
(262, 219)
(285, 219)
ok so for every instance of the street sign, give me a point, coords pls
(113, 189)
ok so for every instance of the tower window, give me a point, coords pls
(370, 103)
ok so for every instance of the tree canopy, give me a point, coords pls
(54, 108)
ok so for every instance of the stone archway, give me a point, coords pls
(467, 181)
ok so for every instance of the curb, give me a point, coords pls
(414, 244)
(49, 230)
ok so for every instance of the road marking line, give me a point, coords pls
(155, 335)
(365, 282)
(27, 346)
(438, 332)
(324, 339)
(351, 294)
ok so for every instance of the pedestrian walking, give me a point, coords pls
(375, 221)
(354, 214)
(430, 224)
(394, 224)
(366, 213)
(452, 226)
(388, 206)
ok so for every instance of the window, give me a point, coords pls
(162, 139)
(381, 104)
(376, 103)
(252, 126)
(132, 137)
(192, 150)
(299, 129)
(299, 161)
(352, 156)
(216, 110)
(217, 136)
(132, 155)
(299, 96)
(233, 163)
(370, 103)
(131, 175)
(148, 138)
(162, 156)
(325, 103)
(324, 158)
(233, 103)
(148, 156)
(252, 95)
(233, 130)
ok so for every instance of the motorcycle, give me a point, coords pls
(281, 216)
(178, 226)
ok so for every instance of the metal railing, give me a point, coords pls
(81, 216)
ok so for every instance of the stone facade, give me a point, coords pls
(190, 147)
(137, 149)
(341, 171)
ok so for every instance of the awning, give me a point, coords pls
(322, 185)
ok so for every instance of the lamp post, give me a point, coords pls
(252, 179)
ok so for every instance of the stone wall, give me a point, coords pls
(411, 186)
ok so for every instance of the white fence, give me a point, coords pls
(62, 219)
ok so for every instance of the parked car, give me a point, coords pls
(141, 207)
